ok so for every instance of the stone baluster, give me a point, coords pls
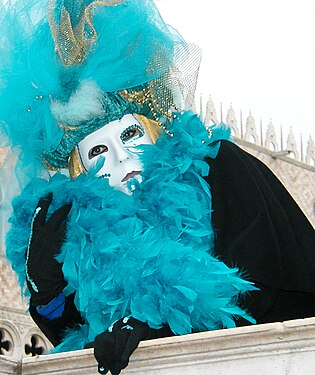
(271, 138)
(232, 122)
(292, 145)
(251, 133)
(310, 152)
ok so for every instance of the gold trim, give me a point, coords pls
(50, 167)
(66, 127)
(152, 127)
(74, 164)
(158, 107)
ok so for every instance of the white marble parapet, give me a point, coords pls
(10, 365)
(270, 349)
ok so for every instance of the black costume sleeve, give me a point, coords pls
(54, 329)
(261, 230)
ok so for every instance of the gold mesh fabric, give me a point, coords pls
(172, 90)
(72, 43)
(183, 74)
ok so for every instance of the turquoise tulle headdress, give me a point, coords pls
(71, 66)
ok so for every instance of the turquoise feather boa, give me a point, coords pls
(149, 255)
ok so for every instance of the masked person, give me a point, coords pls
(141, 241)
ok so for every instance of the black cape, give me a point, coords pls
(259, 229)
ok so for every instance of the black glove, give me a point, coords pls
(44, 275)
(55, 329)
(113, 348)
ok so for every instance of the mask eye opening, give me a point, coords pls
(132, 133)
(97, 150)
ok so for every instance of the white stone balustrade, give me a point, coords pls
(270, 349)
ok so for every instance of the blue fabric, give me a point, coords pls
(54, 308)
(148, 255)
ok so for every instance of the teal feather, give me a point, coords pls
(149, 254)
(130, 36)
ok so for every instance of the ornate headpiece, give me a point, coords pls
(80, 64)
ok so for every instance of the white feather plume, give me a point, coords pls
(84, 104)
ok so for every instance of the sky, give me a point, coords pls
(257, 55)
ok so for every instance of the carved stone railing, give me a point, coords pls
(271, 349)
(19, 337)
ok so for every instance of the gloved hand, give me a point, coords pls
(44, 275)
(113, 347)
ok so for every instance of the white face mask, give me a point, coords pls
(115, 143)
